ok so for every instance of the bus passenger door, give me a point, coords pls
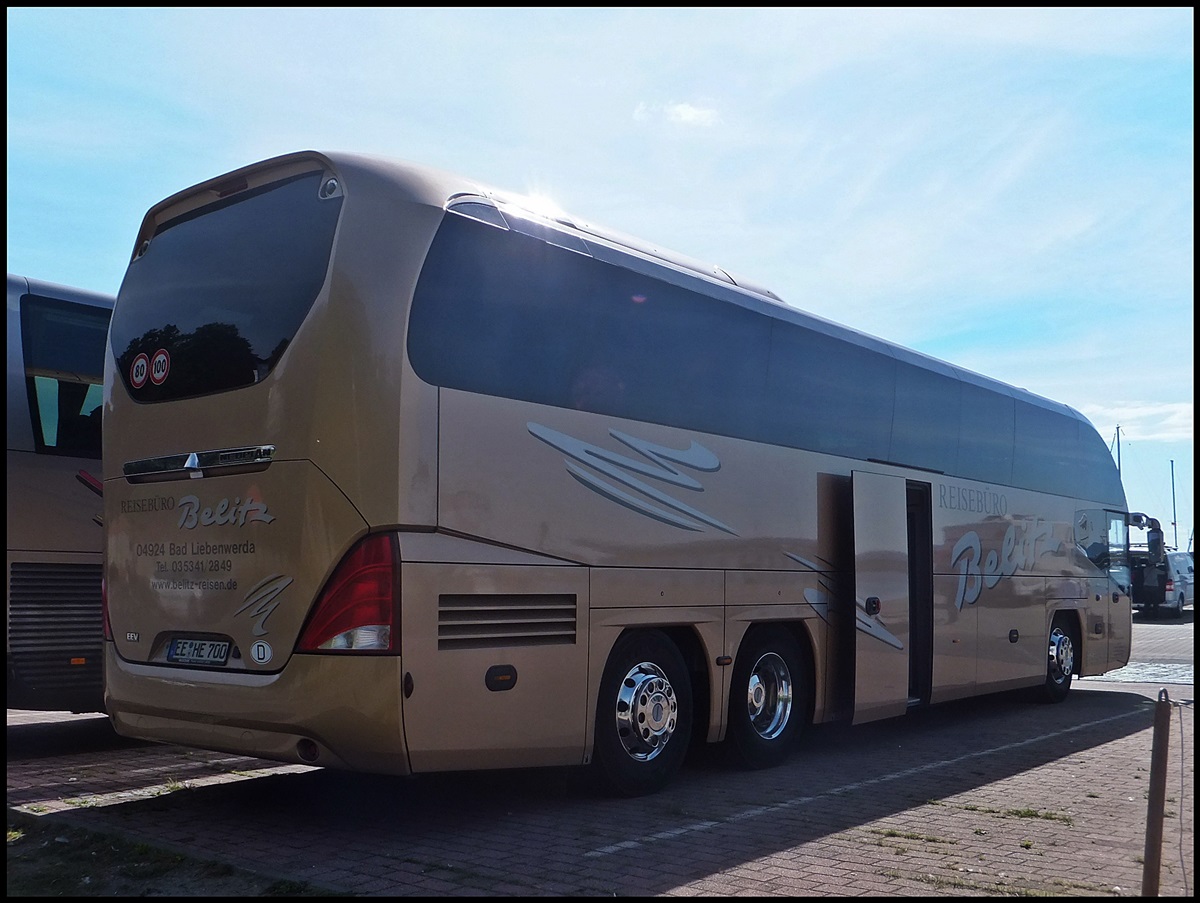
(1117, 596)
(881, 591)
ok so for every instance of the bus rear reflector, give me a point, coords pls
(356, 611)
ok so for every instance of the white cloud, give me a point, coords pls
(687, 114)
(1145, 421)
(681, 113)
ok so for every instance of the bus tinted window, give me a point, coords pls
(506, 314)
(1046, 456)
(985, 449)
(925, 428)
(224, 292)
(816, 406)
(64, 373)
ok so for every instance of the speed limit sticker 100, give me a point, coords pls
(160, 366)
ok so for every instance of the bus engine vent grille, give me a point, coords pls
(56, 625)
(489, 620)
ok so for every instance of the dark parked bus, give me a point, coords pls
(56, 340)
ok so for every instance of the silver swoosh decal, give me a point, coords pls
(873, 626)
(622, 469)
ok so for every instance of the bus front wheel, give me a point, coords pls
(768, 702)
(644, 715)
(1060, 664)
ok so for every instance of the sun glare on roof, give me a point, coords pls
(541, 205)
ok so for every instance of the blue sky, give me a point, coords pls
(1008, 190)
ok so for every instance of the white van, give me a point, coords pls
(1181, 572)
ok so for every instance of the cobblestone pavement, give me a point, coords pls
(992, 797)
(996, 796)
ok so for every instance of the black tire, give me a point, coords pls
(1060, 667)
(1177, 611)
(768, 699)
(643, 716)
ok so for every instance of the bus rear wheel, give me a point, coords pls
(1060, 665)
(768, 701)
(644, 715)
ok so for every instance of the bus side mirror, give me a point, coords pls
(1154, 543)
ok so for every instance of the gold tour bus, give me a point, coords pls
(56, 341)
(403, 475)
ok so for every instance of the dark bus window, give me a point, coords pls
(925, 428)
(986, 434)
(1095, 475)
(503, 313)
(223, 290)
(1045, 449)
(829, 394)
(63, 344)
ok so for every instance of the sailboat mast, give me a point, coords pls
(1173, 517)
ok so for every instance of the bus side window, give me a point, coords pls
(63, 347)
(78, 428)
(598, 389)
(1091, 536)
(66, 415)
(1118, 550)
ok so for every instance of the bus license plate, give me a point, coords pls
(198, 652)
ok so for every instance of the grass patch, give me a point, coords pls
(989, 888)
(49, 859)
(908, 835)
(1025, 812)
(1038, 813)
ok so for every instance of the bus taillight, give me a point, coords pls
(356, 612)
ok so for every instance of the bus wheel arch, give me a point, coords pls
(644, 715)
(770, 697)
(1064, 656)
(691, 647)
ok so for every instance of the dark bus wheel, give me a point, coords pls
(1060, 664)
(644, 715)
(768, 699)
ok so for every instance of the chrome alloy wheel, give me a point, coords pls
(769, 696)
(647, 711)
(1062, 656)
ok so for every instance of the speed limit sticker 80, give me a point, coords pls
(139, 370)
(154, 368)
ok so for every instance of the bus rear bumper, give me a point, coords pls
(285, 717)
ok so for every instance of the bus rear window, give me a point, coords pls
(217, 295)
